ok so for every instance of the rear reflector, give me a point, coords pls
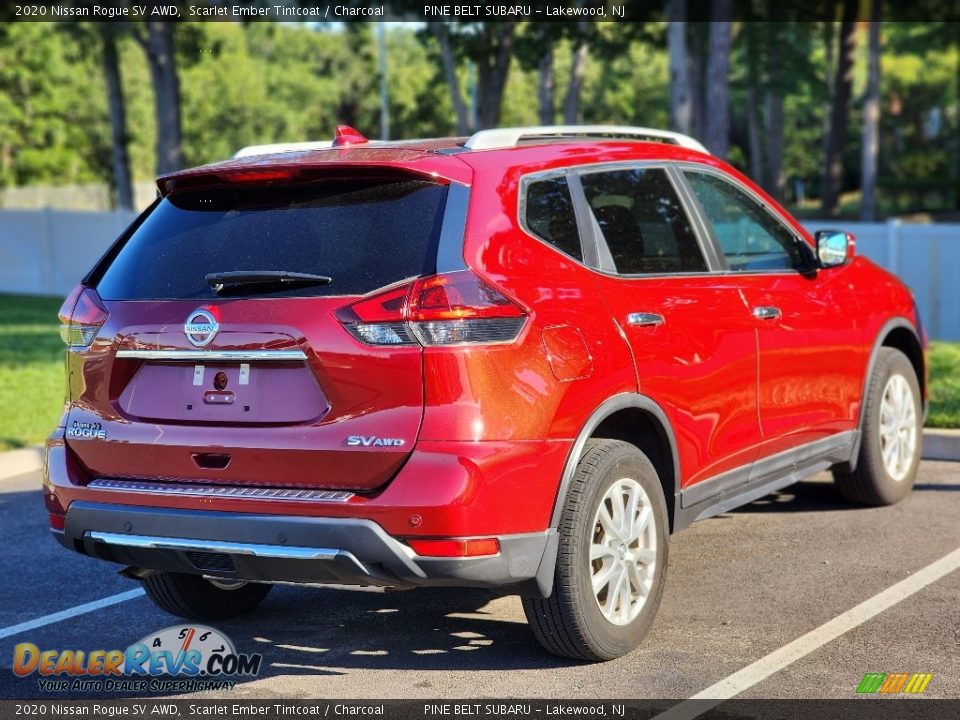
(81, 317)
(57, 522)
(457, 308)
(456, 548)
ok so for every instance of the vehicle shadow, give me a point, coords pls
(937, 487)
(804, 496)
(314, 631)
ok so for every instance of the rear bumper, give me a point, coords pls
(280, 548)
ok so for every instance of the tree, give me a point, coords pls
(839, 110)
(534, 51)
(717, 131)
(157, 43)
(681, 101)
(871, 120)
(450, 73)
(774, 181)
(122, 182)
(571, 103)
(546, 84)
(493, 50)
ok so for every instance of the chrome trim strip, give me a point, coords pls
(231, 548)
(212, 355)
(225, 491)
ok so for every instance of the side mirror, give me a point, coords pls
(834, 247)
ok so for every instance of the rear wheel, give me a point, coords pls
(891, 435)
(611, 565)
(196, 598)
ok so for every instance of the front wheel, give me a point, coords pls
(890, 445)
(196, 598)
(612, 561)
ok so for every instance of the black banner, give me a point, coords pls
(861, 709)
(319, 11)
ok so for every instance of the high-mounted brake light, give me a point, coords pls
(81, 317)
(455, 308)
(258, 176)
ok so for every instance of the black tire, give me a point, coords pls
(872, 483)
(570, 622)
(195, 598)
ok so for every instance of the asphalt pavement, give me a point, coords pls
(741, 586)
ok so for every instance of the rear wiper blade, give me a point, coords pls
(240, 278)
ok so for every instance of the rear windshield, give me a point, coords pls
(364, 234)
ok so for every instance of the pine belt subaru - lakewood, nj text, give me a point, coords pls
(518, 361)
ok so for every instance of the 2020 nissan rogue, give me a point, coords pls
(519, 360)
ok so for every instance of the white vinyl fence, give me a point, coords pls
(45, 252)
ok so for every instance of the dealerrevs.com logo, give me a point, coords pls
(180, 658)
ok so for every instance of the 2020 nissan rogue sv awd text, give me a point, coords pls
(519, 361)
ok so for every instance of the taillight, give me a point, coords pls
(460, 308)
(81, 317)
(455, 308)
(379, 319)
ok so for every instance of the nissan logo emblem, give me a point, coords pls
(201, 327)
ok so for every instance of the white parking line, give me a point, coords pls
(70, 613)
(777, 660)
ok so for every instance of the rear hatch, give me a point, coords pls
(222, 358)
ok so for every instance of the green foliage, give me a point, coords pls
(31, 370)
(53, 105)
(270, 82)
(944, 385)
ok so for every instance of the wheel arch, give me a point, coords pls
(900, 334)
(638, 420)
(903, 337)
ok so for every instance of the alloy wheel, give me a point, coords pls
(623, 551)
(898, 427)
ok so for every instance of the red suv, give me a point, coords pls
(517, 361)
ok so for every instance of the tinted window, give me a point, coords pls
(363, 234)
(750, 238)
(550, 216)
(643, 222)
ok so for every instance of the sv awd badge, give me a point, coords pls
(373, 440)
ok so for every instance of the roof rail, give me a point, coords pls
(281, 148)
(509, 137)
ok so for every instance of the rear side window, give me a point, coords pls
(549, 215)
(642, 221)
(364, 234)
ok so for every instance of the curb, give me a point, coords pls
(21, 462)
(941, 444)
(937, 445)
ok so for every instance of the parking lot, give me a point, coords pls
(741, 586)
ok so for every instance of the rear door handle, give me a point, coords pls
(766, 312)
(644, 319)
